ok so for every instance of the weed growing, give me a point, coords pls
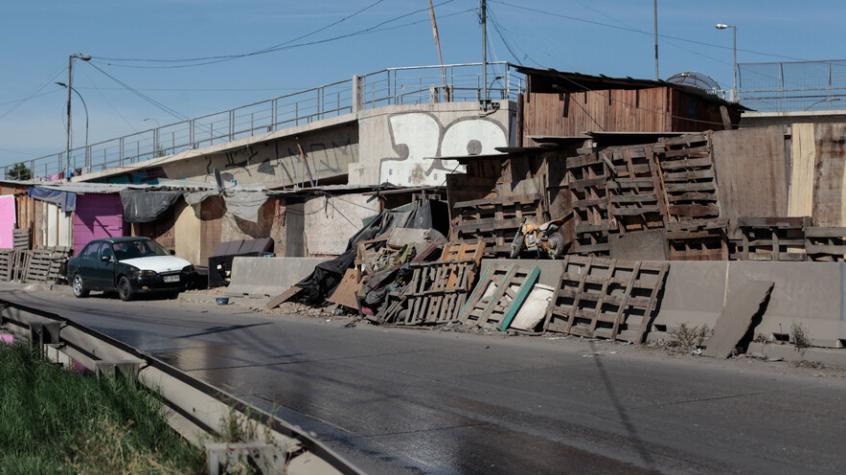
(54, 421)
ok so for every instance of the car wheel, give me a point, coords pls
(125, 289)
(173, 295)
(79, 290)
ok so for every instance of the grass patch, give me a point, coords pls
(55, 421)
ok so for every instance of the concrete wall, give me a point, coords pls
(278, 162)
(396, 142)
(268, 276)
(331, 220)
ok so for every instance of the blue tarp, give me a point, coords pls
(66, 201)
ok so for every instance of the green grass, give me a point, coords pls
(55, 421)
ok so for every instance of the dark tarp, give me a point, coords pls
(143, 206)
(64, 200)
(327, 275)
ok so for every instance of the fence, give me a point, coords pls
(405, 85)
(793, 85)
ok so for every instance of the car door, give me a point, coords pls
(104, 267)
(87, 262)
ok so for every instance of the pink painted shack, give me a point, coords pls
(7, 221)
(97, 216)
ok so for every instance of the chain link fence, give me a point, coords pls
(793, 86)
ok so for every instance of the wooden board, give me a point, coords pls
(283, 297)
(803, 156)
(345, 293)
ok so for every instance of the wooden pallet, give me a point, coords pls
(587, 181)
(498, 297)
(769, 239)
(462, 251)
(698, 240)
(495, 221)
(605, 298)
(825, 243)
(436, 293)
(7, 259)
(634, 203)
(21, 238)
(687, 178)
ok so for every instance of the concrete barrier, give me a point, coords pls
(268, 276)
(810, 294)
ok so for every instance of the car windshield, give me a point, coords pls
(134, 249)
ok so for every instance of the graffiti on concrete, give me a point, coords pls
(419, 140)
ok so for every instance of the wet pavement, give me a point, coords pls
(397, 401)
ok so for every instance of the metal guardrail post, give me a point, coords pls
(357, 83)
(232, 124)
(191, 134)
(274, 109)
(155, 142)
(121, 152)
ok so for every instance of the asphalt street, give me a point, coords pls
(395, 401)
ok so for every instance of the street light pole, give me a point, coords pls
(83, 57)
(85, 107)
(655, 24)
(723, 26)
(483, 10)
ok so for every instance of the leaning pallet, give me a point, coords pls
(498, 296)
(436, 293)
(21, 238)
(587, 182)
(634, 203)
(687, 177)
(495, 221)
(6, 261)
(769, 238)
(605, 298)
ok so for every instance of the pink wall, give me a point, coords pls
(97, 216)
(7, 221)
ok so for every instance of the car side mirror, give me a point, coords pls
(172, 252)
(106, 258)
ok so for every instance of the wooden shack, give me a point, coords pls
(564, 104)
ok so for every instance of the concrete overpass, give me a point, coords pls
(374, 128)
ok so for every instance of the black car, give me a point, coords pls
(130, 266)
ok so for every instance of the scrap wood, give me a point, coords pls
(283, 297)
(345, 293)
(497, 297)
(744, 304)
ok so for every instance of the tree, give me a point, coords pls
(19, 172)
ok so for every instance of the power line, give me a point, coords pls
(233, 56)
(140, 94)
(193, 62)
(20, 102)
(642, 32)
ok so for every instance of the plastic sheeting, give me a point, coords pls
(245, 204)
(327, 275)
(144, 206)
(63, 199)
(197, 197)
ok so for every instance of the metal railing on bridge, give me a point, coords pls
(390, 86)
(793, 86)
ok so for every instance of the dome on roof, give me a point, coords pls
(699, 80)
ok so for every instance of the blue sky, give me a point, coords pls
(37, 36)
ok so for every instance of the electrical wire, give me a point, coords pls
(201, 61)
(140, 94)
(22, 101)
(642, 32)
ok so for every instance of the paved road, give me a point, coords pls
(432, 402)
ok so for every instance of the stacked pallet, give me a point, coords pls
(606, 298)
(495, 221)
(825, 244)
(769, 239)
(698, 240)
(21, 238)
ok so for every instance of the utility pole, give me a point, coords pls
(438, 47)
(484, 20)
(655, 23)
(83, 57)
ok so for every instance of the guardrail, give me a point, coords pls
(390, 86)
(195, 407)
